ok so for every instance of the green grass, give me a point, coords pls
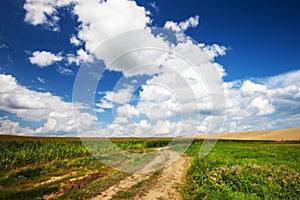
(244, 170)
(29, 194)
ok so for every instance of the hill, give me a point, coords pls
(291, 134)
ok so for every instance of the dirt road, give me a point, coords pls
(166, 185)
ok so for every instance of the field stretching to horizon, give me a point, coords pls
(62, 168)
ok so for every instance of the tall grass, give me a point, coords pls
(20, 153)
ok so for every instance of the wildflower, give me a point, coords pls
(270, 178)
(281, 166)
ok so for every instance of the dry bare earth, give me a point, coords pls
(292, 134)
(166, 185)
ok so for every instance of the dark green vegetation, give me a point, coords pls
(244, 170)
(17, 151)
(34, 167)
(21, 153)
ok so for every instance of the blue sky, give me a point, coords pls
(253, 47)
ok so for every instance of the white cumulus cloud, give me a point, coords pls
(30, 105)
(182, 26)
(264, 103)
(44, 58)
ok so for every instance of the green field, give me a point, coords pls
(36, 168)
(244, 170)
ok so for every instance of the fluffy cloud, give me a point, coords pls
(263, 105)
(127, 110)
(34, 106)
(266, 103)
(121, 96)
(75, 41)
(143, 128)
(40, 12)
(99, 20)
(175, 87)
(80, 57)
(249, 88)
(214, 50)
(157, 102)
(159, 128)
(104, 104)
(10, 127)
(44, 58)
(37, 11)
(182, 26)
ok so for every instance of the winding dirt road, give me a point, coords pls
(166, 186)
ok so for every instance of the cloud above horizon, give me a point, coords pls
(247, 108)
(33, 106)
(263, 103)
